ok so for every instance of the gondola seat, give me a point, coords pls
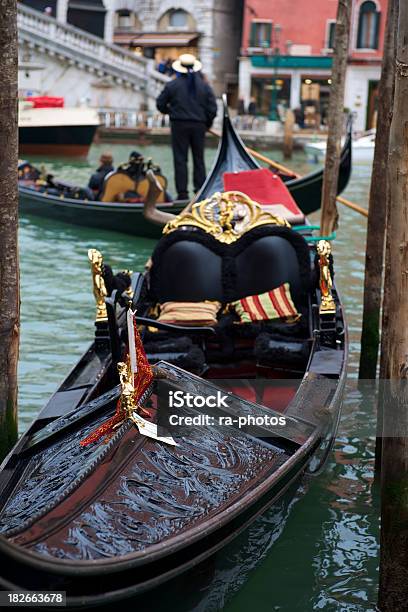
(192, 266)
(189, 265)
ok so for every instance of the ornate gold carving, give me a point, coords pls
(99, 288)
(128, 403)
(226, 216)
(127, 397)
(327, 305)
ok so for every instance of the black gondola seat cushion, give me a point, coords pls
(190, 265)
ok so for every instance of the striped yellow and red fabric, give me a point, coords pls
(189, 313)
(275, 304)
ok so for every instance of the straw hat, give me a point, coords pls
(187, 62)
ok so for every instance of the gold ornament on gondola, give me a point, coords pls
(225, 216)
(327, 305)
(127, 398)
(99, 288)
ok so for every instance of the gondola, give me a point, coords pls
(129, 218)
(111, 515)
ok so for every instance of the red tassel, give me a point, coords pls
(142, 381)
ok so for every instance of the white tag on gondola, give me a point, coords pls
(132, 341)
(146, 428)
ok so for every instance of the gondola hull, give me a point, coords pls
(97, 524)
(129, 219)
(102, 580)
(126, 218)
(97, 508)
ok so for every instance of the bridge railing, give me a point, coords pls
(129, 118)
(38, 29)
(249, 123)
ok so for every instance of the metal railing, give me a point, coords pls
(249, 123)
(129, 118)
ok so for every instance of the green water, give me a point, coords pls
(327, 554)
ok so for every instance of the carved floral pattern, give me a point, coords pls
(165, 490)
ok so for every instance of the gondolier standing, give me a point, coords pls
(190, 103)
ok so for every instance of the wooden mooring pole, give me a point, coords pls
(288, 134)
(329, 216)
(9, 271)
(370, 336)
(393, 591)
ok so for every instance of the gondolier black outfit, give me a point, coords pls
(191, 105)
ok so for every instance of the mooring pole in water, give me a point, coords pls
(9, 270)
(377, 232)
(288, 134)
(393, 591)
(329, 215)
(370, 337)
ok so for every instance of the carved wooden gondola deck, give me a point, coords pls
(141, 493)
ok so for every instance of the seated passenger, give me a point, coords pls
(97, 178)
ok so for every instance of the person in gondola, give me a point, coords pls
(97, 178)
(190, 103)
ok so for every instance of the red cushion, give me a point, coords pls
(262, 186)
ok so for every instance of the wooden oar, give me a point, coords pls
(286, 170)
(353, 206)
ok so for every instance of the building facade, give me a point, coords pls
(286, 57)
(163, 29)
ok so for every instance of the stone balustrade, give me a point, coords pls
(40, 32)
(129, 118)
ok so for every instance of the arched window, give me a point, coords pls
(178, 18)
(368, 26)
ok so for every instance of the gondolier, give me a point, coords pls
(190, 103)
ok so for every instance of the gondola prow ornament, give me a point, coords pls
(136, 377)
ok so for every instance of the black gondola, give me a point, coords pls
(104, 522)
(129, 218)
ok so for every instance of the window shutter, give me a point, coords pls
(252, 36)
(377, 29)
(360, 31)
(332, 29)
(268, 34)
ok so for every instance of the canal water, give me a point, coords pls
(326, 556)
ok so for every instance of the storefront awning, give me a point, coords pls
(155, 39)
(291, 61)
